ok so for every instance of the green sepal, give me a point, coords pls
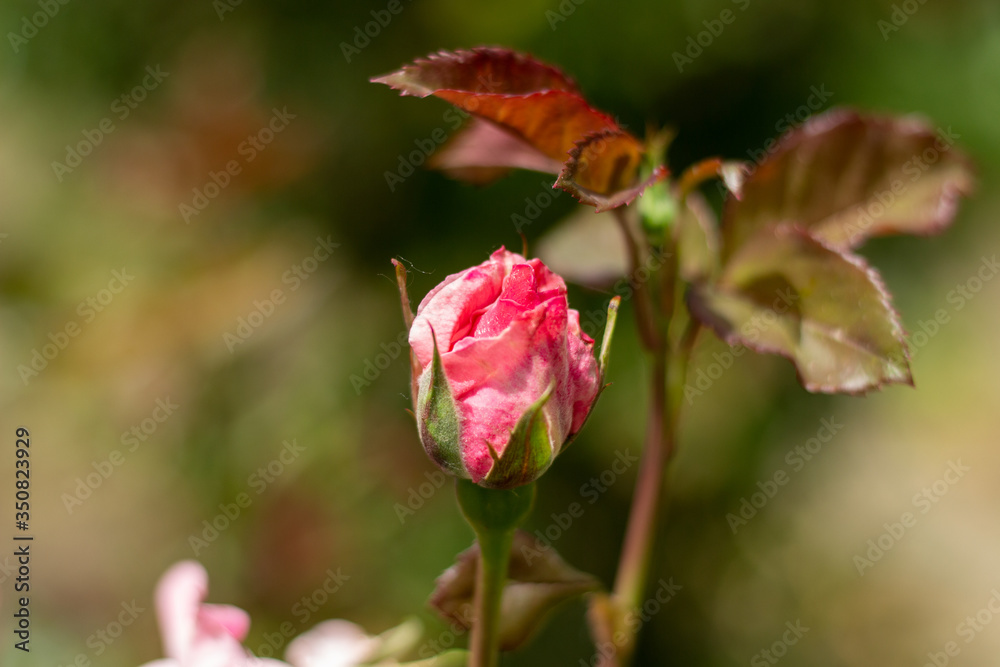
(437, 417)
(404, 298)
(404, 301)
(609, 330)
(529, 451)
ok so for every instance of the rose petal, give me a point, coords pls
(495, 380)
(197, 634)
(178, 595)
(582, 372)
(451, 308)
(224, 618)
(518, 295)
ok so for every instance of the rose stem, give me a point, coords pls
(494, 515)
(669, 367)
(491, 575)
(667, 390)
(633, 565)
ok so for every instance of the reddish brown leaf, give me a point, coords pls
(601, 167)
(483, 151)
(845, 177)
(604, 162)
(824, 308)
(482, 70)
(552, 121)
(539, 108)
(517, 92)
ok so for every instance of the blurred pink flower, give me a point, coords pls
(511, 351)
(196, 634)
(333, 643)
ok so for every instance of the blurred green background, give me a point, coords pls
(300, 375)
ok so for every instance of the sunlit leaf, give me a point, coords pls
(513, 90)
(845, 177)
(541, 111)
(482, 70)
(538, 580)
(824, 308)
(601, 169)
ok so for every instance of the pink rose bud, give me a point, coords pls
(503, 374)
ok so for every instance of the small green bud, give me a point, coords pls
(658, 210)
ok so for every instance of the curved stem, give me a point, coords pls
(667, 391)
(633, 567)
(494, 558)
(670, 362)
(670, 355)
